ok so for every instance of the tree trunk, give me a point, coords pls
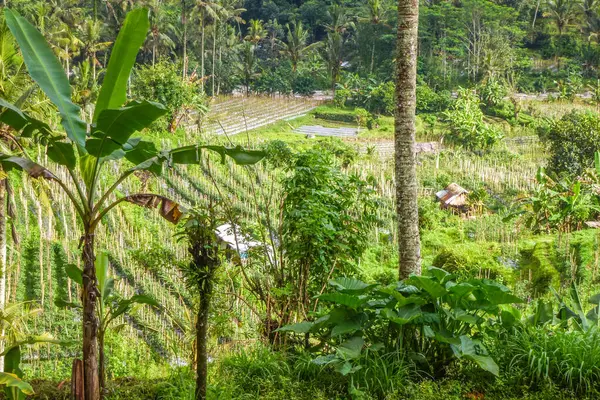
(201, 337)
(101, 362)
(214, 58)
(405, 138)
(3, 247)
(202, 55)
(184, 23)
(90, 320)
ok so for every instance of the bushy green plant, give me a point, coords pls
(430, 101)
(492, 92)
(467, 127)
(433, 319)
(572, 142)
(162, 82)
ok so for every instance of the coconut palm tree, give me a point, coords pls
(405, 138)
(295, 47)
(562, 12)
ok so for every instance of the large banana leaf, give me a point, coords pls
(34, 170)
(46, 70)
(115, 127)
(191, 154)
(12, 116)
(12, 381)
(131, 37)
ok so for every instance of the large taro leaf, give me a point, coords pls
(351, 348)
(473, 350)
(168, 209)
(350, 285)
(33, 169)
(132, 35)
(300, 327)
(403, 315)
(348, 300)
(428, 284)
(45, 69)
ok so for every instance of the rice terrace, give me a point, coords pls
(304, 200)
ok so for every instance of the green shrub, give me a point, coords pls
(572, 142)
(162, 83)
(430, 101)
(467, 127)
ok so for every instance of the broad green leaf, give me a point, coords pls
(115, 127)
(63, 154)
(473, 350)
(33, 169)
(404, 314)
(113, 93)
(348, 326)
(426, 283)
(102, 271)
(348, 300)
(300, 327)
(144, 299)
(74, 273)
(543, 313)
(12, 361)
(13, 381)
(12, 116)
(439, 274)
(350, 285)
(36, 340)
(351, 348)
(191, 154)
(45, 69)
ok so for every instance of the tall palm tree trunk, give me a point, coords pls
(405, 139)
(202, 55)
(90, 319)
(184, 23)
(3, 247)
(214, 57)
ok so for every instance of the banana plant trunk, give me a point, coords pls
(101, 362)
(201, 337)
(90, 320)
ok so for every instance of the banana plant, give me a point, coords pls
(13, 322)
(85, 148)
(110, 307)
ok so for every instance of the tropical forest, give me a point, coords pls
(300, 199)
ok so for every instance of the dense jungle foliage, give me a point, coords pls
(173, 224)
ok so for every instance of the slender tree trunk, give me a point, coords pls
(201, 338)
(214, 58)
(3, 247)
(184, 23)
(90, 319)
(202, 55)
(101, 362)
(405, 138)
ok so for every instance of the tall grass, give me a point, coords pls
(567, 359)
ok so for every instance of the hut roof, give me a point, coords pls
(452, 193)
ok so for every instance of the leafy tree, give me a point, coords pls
(83, 155)
(295, 47)
(326, 217)
(572, 142)
(199, 233)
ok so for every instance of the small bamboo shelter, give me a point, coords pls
(453, 197)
